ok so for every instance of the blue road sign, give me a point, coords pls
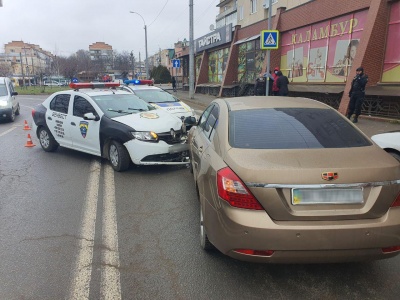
(176, 63)
(269, 39)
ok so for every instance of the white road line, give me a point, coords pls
(110, 287)
(7, 131)
(80, 283)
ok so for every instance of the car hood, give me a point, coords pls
(173, 107)
(271, 176)
(153, 120)
(4, 98)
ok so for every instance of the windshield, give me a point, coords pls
(115, 105)
(155, 96)
(292, 128)
(3, 90)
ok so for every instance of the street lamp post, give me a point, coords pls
(145, 39)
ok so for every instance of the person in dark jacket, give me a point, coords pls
(259, 86)
(357, 94)
(173, 83)
(282, 84)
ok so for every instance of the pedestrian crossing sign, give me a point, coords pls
(269, 39)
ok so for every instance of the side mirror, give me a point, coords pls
(14, 93)
(91, 116)
(190, 120)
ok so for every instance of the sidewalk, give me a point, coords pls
(368, 125)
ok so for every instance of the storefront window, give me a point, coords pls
(198, 64)
(250, 63)
(217, 61)
(391, 66)
(323, 52)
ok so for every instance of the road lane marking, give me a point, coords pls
(80, 283)
(7, 131)
(110, 287)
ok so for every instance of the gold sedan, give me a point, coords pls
(290, 180)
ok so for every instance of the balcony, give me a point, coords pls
(227, 12)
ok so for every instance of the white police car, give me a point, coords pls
(158, 98)
(389, 141)
(110, 123)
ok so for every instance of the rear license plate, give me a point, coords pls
(327, 196)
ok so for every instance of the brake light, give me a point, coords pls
(33, 112)
(234, 191)
(139, 81)
(396, 202)
(391, 249)
(255, 252)
(91, 85)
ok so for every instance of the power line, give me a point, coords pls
(159, 13)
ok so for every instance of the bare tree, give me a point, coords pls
(5, 70)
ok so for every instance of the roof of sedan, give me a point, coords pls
(255, 102)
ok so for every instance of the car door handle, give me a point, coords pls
(201, 149)
(73, 124)
(49, 118)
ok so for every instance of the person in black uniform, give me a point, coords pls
(357, 94)
(259, 86)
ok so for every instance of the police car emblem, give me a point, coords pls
(149, 115)
(83, 127)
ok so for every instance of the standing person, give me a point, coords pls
(357, 94)
(173, 80)
(259, 86)
(282, 83)
(275, 88)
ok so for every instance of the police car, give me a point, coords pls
(97, 118)
(158, 98)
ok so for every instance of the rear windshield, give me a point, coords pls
(292, 128)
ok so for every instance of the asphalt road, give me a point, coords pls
(71, 229)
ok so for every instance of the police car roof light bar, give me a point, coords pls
(137, 81)
(90, 85)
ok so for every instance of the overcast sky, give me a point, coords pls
(66, 26)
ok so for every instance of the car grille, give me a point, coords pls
(165, 157)
(169, 139)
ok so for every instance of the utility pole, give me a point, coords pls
(267, 79)
(191, 51)
(140, 66)
(22, 69)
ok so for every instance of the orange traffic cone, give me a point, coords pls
(29, 142)
(26, 126)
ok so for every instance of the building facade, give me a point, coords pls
(321, 44)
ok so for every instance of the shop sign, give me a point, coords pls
(216, 38)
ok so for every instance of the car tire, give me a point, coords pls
(118, 156)
(395, 155)
(17, 111)
(47, 140)
(204, 242)
(12, 115)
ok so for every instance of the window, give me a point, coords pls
(253, 6)
(60, 103)
(204, 116)
(241, 13)
(82, 106)
(292, 128)
(212, 121)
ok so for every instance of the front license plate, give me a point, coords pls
(327, 196)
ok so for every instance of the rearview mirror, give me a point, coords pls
(190, 120)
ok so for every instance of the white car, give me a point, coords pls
(389, 141)
(110, 123)
(9, 106)
(158, 98)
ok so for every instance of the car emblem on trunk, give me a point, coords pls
(329, 176)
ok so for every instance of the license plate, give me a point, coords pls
(327, 196)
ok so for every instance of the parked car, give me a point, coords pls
(52, 83)
(109, 123)
(291, 180)
(389, 141)
(9, 105)
(158, 98)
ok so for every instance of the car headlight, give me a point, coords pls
(146, 136)
(3, 103)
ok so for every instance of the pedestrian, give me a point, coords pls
(173, 83)
(282, 84)
(259, 86)
(275, 88)
(357, 94)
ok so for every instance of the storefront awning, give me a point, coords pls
(317, 88)
(383, 90)
(248, 39)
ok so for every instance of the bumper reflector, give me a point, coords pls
(255, 252)
(391, 249)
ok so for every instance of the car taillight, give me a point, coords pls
(255, 252)
(391, 249)
(234, 191)
(396, 202)
(33, 112)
